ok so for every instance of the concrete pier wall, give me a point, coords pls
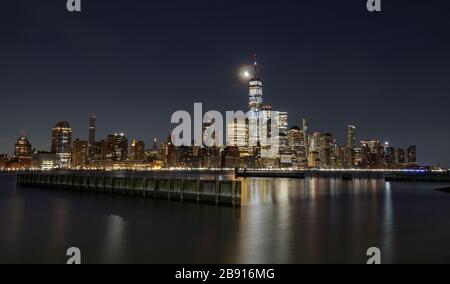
(202, 191)
(388, 175)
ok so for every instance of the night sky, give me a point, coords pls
(135, 62)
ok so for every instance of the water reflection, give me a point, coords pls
(114, 240)
(313, 220)
(308, 219)
(59, 224)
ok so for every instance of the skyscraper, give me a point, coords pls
(137, 151)
(62, 144)
(283, 122)
(305, 127)
(412, 155)
(117, 147)
(100, 150)
(351, 137)
(255, 106)
(238, 134)
(400, 158)
(326, 149)
(255, 91)
(91, 146)
(389, 156)
(350, 150)
(372, 153)
(265, 131)
(79, 153)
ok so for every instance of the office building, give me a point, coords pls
(400, 157)
(138, 151)
(44, 161)
(23, 151)
(92, 129)
(62, 144)
(116, 147)
(79, 154)
(412, 155)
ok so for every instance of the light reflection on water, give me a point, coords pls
(281, 221)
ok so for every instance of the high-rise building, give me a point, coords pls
(400, 157)
(358, 157)
(92, 127)
(79, 153)
(169, 153)
(238, 135)
(62, 144)
(305, 126)
(100, 150)
(153, 154)
(283, 122)
(295, 142)
(372, 154)
(185, 156)
(339, 156)
(351, 137)
(22, 149)
(117, 147)
(255, 106)
(255, 91)
(326, 147)
(295, 138)
(351, 144)
(389, 156)
(265, 123)
(412, 155)
(138, 151)
(314, 159)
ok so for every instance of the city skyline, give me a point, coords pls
(297, 147)
(246, 144)
(334, 54)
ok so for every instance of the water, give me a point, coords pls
(281, 221)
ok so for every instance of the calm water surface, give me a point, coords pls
(281, 221)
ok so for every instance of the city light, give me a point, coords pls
(296, 148)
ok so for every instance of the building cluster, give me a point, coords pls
(113, 152)
(298, 147)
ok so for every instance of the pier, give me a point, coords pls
(387, 175)
(218, 192)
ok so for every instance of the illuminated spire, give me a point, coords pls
(256, 65)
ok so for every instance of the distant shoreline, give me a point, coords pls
(389, 175)
(444, 190)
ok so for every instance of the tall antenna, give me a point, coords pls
(256, 65)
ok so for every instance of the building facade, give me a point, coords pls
(62, 144)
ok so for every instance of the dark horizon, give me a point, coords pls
(133, 64)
